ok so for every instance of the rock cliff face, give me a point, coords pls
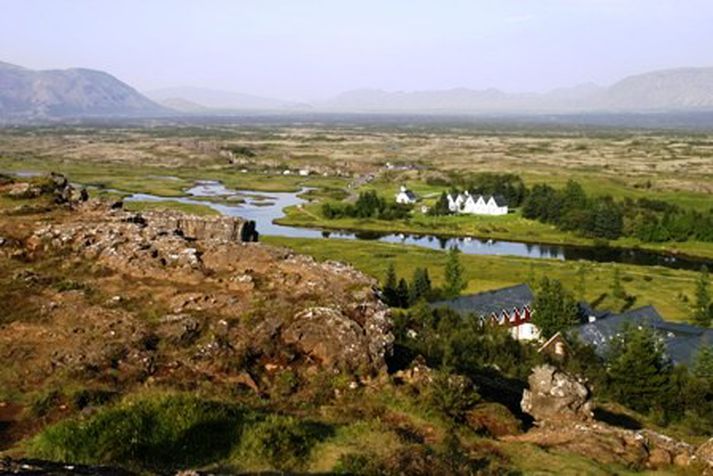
(204, 228)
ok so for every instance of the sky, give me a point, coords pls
(312, 49)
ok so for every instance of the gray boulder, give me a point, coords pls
(555, 395)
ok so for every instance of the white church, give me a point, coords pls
(406, 196)
(465, 203)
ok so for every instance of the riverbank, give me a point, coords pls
(669, 290)
(512, 227)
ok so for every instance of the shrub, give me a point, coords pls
(451, 395)
(159, 432)
(279, 442)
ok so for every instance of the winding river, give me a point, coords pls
(264, 208)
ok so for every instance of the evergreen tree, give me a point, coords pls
(455, 281)
(703, 309)
(607, 220)
(441, 206)
(581, 282)
(531, 278)
(554, 309)
(390, 284)
(617, 290)
(703, 363)
(420, 286)
(402, 293)
(698, 392)
(639, 373)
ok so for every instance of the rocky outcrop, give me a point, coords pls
(142, 241)
(555, 395)
(606, 444)
(173, 299)
(562, 409)
(339, 342)
(55, 185)
(203, 228)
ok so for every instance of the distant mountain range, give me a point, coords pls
(686, 89)
(56, 94)
(191, 99)
(76, 92)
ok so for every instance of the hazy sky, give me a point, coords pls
(309, 49)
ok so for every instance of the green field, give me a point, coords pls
(667, 289)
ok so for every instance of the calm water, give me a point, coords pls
(264, 208)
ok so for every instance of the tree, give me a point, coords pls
(580, 288)
(703, 308)
(607, 220)
(390, 285)
(703, 363)
(617, 290)
(402, 293)
(455, 281)
(639, 373)
(554, 309)
(420, 286)
(441, 206)
(698, 392)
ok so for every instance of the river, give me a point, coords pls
(264, 208)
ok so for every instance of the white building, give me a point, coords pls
(405, 196)
(466, 203)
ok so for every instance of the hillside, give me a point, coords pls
(674, 89)
(75, 92)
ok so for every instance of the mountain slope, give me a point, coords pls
(673, 89)
(75, 92)
(216, 99)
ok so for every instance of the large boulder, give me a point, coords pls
(555, 395)
(339, 342)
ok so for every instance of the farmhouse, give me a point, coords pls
(511, 306)
(466, 203)
(405, 196)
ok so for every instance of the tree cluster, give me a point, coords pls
(368, 205)
(570, 209)
(400, 293)
(637, 373)
(464, 345)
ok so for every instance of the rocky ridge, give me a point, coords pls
(176, 298)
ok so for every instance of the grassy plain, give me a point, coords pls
(165, 160)
(667, 289)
